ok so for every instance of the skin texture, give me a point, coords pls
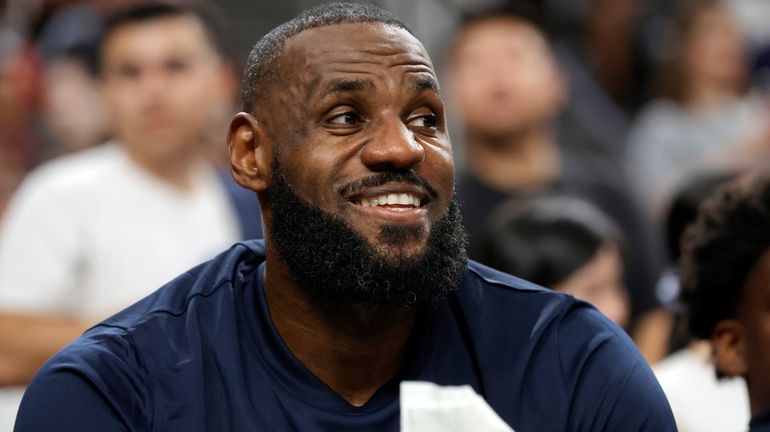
(27, 341)
(73, 108)
(505, 77)
(742, 345)
(353, 100)
(714, 59)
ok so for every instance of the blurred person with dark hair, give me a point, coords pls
(700, 402)
(90, 233)
(73, 112)
(509, 90)
(725, 269)
(19, 99)
(562, 243)
(704, 109)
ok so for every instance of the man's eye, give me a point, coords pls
(127, 71)
(425, 121)
(176, 66)
(348, 118)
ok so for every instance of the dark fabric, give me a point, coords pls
(246, 207)
(642, 251)
(202, 354)
(760, 422)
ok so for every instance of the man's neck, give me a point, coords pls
(176, 172)
(354, 350)
(525, 160)
(705, 96)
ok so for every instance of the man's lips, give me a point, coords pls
(398, 203)
(394, 200)
(391, 194)
(396, 214)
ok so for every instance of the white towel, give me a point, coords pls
(427, 407)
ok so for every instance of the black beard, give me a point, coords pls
(338, 267)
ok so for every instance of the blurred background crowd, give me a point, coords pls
(586, 134)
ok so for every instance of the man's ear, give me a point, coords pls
(249, 152)
(729, 343)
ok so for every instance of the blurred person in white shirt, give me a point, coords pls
(88, 234)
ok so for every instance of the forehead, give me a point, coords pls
(370, 48)
(497, 32)
(179, 33)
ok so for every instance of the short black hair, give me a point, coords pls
(720, 250)
(519, 11)
(545, 239)
(261, 64)
(206, 13)
(683, 209)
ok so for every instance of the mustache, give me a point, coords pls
(386, 177)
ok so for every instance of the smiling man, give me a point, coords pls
(362, 281)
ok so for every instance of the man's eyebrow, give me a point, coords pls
(345, 85)
(425, 83)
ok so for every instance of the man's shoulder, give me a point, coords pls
(200, 287)
(499, 305)
(483, 287)
(70, 181)
(574, 365)
(78, 169)
(493, 278)
(123, 357)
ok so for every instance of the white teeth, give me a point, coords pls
(392, 198)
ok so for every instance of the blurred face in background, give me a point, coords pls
(504, 77)
(73, 108)
(713, 51)
(600, 282)
(160, 78)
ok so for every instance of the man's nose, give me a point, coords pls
(154, 84)
(392, 146)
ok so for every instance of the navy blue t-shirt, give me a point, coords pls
(760, 422)
(202, 354)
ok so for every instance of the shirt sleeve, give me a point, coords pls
(39, 248)
(47, 406)
(613, 388)
(97, 383)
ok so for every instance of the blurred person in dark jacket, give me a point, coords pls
(509, 89)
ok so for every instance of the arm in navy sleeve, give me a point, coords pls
(97, 383)
(613, 387)
(66, 401)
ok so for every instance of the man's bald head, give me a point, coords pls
(262, 63)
